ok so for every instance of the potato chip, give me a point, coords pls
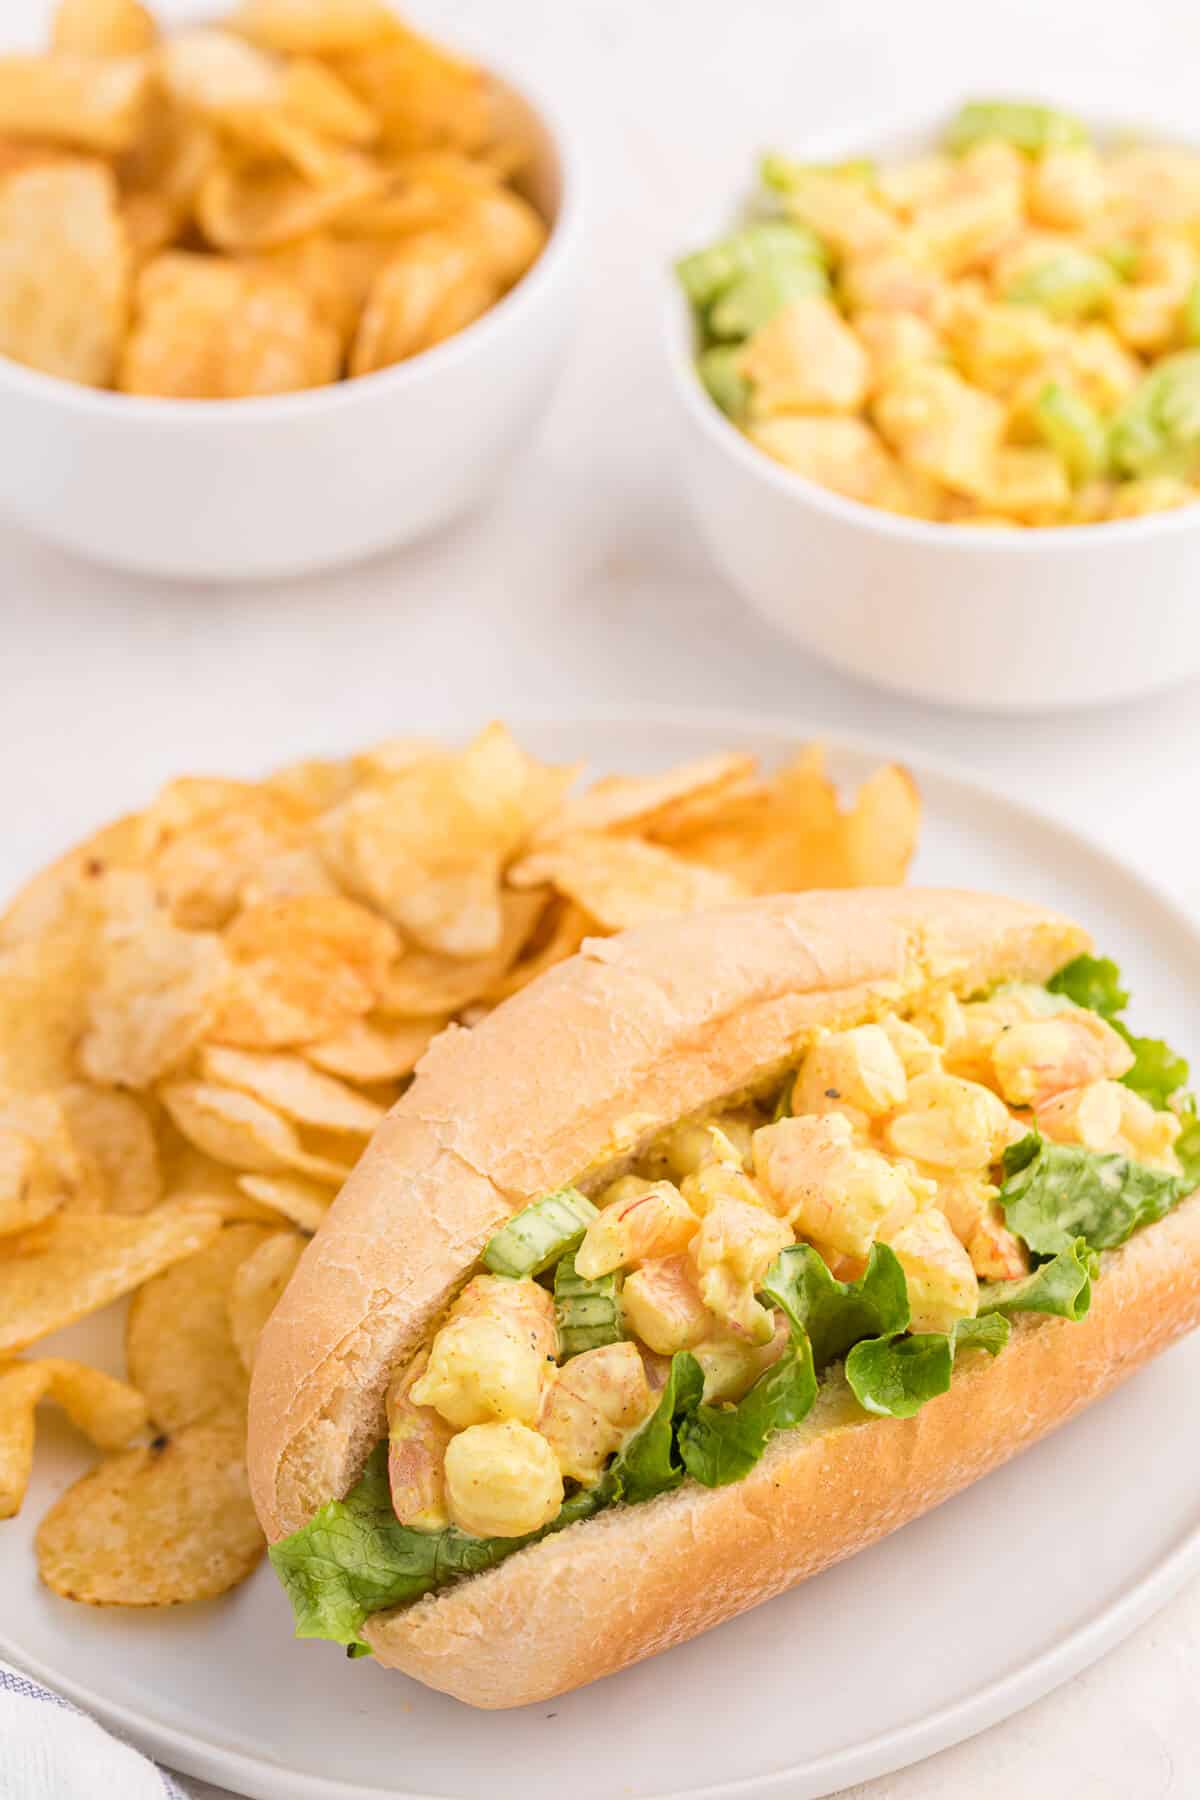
(287, 875)
(882, 827)
(314, 27)
(178, 1347)
(422, 188)
(622, 881)
(436, 283)
(158, 994)
(74, 1264)
(192, 1177)
(305, 1203)
(257, 1285)
(208, 330)
(336, 274)
(368, 1051)
(639, 802)
(312, 785)
(569, 925)
(39, 1166)
(51, 900)
(275, 1001)
(214, 73)
(423, 97)
(201, 871)
(102, 28)
(235, 1129)
(108, 1411)
(64, 270)
(93, 103)
(161, 174)
(292, 1087)
(425, 985)
(789, 836)
(44, 988)
(313, 96)
(113, 1136)
(155, 1526)
(317, 925)
(256, 206)
(428, 846)
(506, 229)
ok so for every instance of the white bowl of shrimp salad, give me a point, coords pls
(939, 410)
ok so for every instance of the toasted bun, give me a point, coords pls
(565, 1082)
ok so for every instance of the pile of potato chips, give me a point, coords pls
(304, 191)
(206, 1009)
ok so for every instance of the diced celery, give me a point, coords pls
(1070, 284)
(1024, 124)
(707, 273)
(1074, 430)
(540, 1234)
(588, 1312)
(757, 297)
(726, 384)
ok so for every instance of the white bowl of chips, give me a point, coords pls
(983, 617)
(214, 474)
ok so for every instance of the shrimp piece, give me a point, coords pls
(856, 1072)
(731, 1366)
(950, 1123)
(825, 1186)
(592, 1405)
(661, 1305)
(692, 1145)
(417, 1440)
(1106, 1116)
(918, 1053)
(656, 1221)
(805, 359)
(970, 1204)
(1035, 1061)
(722, 1181)
(732, 1251)
(941, 1282)
(491, 1358)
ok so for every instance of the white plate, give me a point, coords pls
(953, 1623)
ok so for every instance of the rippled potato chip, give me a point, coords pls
(64, 270)
(436, 283)
(102, 27)
(314, 27)
(178, 1346)
(291, 1086)
(639, 803)
(881, 828)
(317, 925)
(426, 985)
(112, 1133)
(233, 1128)
(423, 97)
(622, 882)
(155, 1526)
(216, 73)
(245, 208)
(289, 1197)
(209, 330)
(76, 1263)
(108, 1411)
(370, 1051)
(159, 991)
(88, 102)
(40, 1168)
(561, 931)
(256, 1288)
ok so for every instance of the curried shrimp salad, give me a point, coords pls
(882, 1209)
(1003, 332)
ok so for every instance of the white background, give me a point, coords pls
(583, 583)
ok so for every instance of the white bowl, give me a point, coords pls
(241, 489)
(979, 617)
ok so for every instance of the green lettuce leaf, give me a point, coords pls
(896, 1376)
(720, 1444)
(354, 1558)
(1094, 982)
(1062, 1286)
(1054, 1194)
(836, 1314)
(1187, 1146)
(651, 1462)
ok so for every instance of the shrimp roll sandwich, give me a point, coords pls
(720, 1251)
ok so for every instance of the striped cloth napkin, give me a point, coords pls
(49, 1750)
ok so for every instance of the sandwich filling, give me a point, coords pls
(905, 1190)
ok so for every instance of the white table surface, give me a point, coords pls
(582, 583)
